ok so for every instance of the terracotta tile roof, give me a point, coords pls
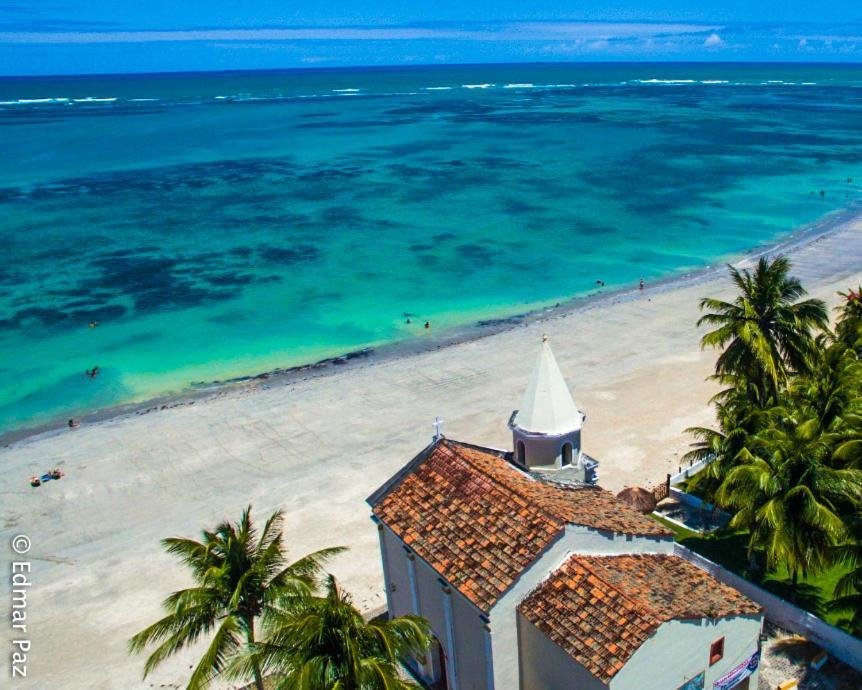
(601, 609)
(479, 521)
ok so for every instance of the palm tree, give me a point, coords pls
(766, 329)
(832, 392)
(325, 644)
(737, 420)
(239, 576)
(848, 589)
(832, 386)
(789, 496)
(849, 326)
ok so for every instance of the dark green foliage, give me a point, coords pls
(786, 457)
(313, 636)
(765, 332)
(325, 644)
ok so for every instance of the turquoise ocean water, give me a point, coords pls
(217, 225)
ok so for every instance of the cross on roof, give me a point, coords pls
(437, 424)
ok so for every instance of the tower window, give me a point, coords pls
(522, 453)
(567, 454)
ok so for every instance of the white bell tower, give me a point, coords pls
(546, 430)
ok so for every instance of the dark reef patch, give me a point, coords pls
(50, 317)
(229, 279)
(301, 253)
(420, 247)
(164, 180)
(475, 252)
(444, 236)
(341, 215)
(156, 282)
(514, 205)
(358, 124)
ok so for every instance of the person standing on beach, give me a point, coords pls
(642, 283)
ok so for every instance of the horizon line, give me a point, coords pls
(402, 66)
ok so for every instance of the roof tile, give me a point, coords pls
(640, 592)
(480, 522)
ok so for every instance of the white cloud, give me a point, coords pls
(598, 45)
(713, 41)
(803, 42)
(518, 31)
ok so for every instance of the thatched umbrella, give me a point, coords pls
(640, 499)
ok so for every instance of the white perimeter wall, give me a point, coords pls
(836, 642)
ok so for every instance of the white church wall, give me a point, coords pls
(468, 641)
(575, 540)
(395, 574)
(679, 651)
(430, 598)
(546, 451)
(544, 665)
(594, 542)
(504, 634)
(469, 666)
(473, 665)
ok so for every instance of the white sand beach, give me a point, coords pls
(317, 447)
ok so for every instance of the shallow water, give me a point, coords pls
(218, 225)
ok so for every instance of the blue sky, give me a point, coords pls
(98, 36)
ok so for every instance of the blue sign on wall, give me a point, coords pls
(695, 683)
(737, 675)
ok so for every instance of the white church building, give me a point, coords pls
(533, 578)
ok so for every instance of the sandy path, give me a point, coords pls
(317, 448)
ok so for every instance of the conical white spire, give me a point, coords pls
(548, 407)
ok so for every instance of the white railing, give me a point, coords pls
(784, 614)
(682, 475)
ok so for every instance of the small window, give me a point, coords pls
(716, 651)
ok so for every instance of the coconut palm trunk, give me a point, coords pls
(249, 637)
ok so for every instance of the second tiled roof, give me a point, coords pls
(601, 609)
